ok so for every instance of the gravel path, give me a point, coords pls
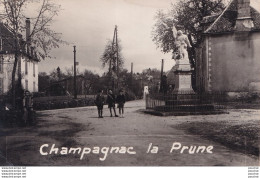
(80, 128)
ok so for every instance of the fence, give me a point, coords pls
(185, 101)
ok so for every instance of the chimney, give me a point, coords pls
(28, 30)
(244, 20)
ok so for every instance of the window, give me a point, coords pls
(1, 86)
(26, 84)
(34, 69)
(34, 88)
(1, 44)
(1, 65)
(26, 67)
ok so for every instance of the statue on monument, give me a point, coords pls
(182, 69)
(181, 42)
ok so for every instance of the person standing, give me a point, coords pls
(100, 100)
(111, 101)
(121, 102)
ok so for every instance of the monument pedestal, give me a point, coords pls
(183, 81)
(183, 100)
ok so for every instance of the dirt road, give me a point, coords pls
(143, 140)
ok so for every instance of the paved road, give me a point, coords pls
(116, 141)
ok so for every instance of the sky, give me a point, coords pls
(89, 24)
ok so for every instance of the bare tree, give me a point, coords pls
(69, 71)
(41, 38)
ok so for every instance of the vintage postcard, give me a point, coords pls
(129, 82)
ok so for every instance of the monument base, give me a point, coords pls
(183, 100)
(183, 74)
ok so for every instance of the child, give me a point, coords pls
(100, 102)
(111, 100)
(121, 101)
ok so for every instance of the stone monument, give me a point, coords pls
(183, 100)
(182, 70)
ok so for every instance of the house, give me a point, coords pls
(27, 67)
(228, 59)
(66, 87)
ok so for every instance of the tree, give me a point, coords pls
(109, 56)
(41, 38)
(112, 57)
(56, 75)
(186, 15)
(69, 72)
(44, 81)
(92, 81)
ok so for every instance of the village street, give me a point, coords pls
(80, 127)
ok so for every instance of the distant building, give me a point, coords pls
(228, 59)
(27, 66)
(65, 87)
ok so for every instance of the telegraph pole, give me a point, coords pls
(75, 74)
(117, 59)
(132, 65)
(114, 61)
(161, 74)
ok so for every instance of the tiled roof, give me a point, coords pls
(210, 19)
(256, 18)
(6, 37)
(226, 21)
(8, 43)
(4, 31)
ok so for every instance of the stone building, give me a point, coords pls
(27, 67)
(228, 59)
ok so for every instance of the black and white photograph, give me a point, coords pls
(136, 83)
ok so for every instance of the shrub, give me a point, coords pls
(129, 95)
(53, 103)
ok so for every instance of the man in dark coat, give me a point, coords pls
(111, 101)
(100, 100)
(120, 99)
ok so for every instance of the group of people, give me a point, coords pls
(111, 101)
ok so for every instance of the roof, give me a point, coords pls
(225, 22)
(208, 20)
(4, 31)
(8, 42)
(7, 38)
(70, 78)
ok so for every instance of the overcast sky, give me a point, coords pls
(89, 24)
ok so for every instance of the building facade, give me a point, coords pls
(228, 59)
(27, 67)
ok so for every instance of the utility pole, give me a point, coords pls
(132, 65)
(132, 75)
(114, 61)
(117, 60)
(161, 74)
(75, 74)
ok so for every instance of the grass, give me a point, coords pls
(240, 137)
(242, 105)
